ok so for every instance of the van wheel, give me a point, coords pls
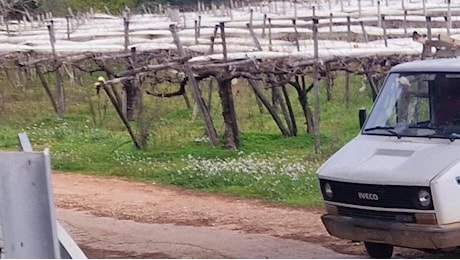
(376, 250)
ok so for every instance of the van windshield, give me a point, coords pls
(417, 105)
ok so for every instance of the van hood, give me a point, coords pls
(390, 161)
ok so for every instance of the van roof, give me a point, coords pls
(435, 65)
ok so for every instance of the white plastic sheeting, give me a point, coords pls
(105, 34)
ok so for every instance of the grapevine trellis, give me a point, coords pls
(273, 46)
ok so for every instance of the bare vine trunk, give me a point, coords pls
(302, 92)
(132, 90)
(293, 123)
(132, 99)
(232, 135)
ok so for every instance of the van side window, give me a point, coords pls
(446, 99)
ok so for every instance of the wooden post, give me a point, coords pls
(251, 16)
(347, 88)
(370, 79)
(47, 89)
(384, 27)
(210, 130)
(424, 7)
(196, 32)
(254, 37)
(269, 107)
(122, 116)
(330, 22)
(107, 10)
(317, 119)
(348, 29)
(224, 42)
(329, 81)
(264, 25)
(366, 39)
(213, 38)
(359, 8)
(270, 32)
(184, 19)
(449, 17)
(405, 22)
(199, 26)
(428, 27)
(126, 31)
(296, 35)
(67, 18)
(295, 10)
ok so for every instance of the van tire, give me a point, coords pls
(380, 251)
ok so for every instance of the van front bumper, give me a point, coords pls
(398, 234)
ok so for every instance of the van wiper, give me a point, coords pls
(389, 129)
(423, 127)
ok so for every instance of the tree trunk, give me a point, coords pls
(293, 123)
(232, 136)
(132, 98)
(132, 91)
(284, 109)
(329, 81)
(302, 92)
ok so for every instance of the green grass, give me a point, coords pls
(267, 166)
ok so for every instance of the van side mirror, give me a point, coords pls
(362, 117)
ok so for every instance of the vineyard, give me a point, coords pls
(270, 46)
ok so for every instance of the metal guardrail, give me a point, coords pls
(28, 226)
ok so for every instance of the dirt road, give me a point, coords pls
(114, 218)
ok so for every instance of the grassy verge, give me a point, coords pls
(268, 165)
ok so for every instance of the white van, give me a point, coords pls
(398, 182)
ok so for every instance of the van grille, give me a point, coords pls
(385, 196)
(377, 215)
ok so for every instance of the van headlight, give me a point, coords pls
(328, 190)
(424, 198)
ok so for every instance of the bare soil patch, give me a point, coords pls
(153, 203)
